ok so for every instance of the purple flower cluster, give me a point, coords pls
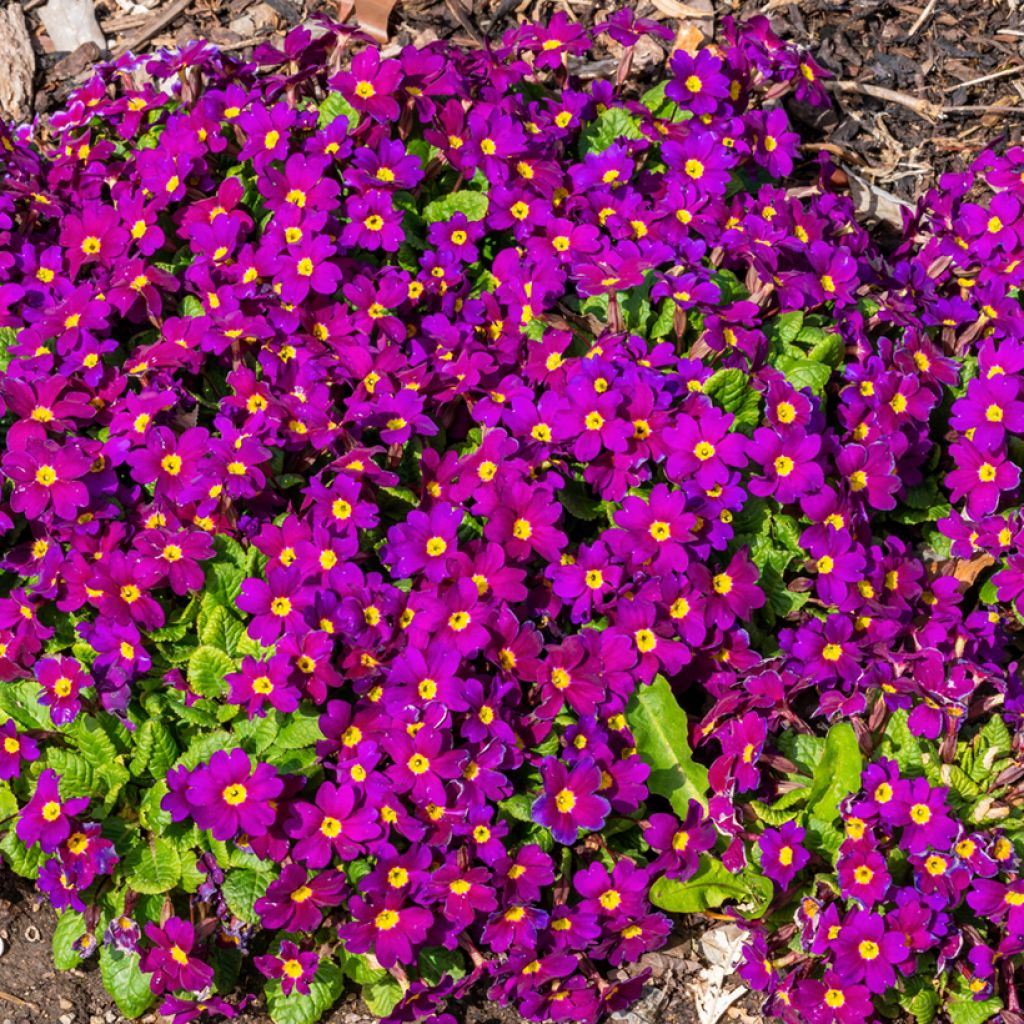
(377, 430)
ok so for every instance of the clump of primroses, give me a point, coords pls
(381, 436)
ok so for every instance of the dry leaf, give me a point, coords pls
(372, 16)
(967, 570)
(696, 22)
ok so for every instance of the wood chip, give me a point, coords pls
(18, 66)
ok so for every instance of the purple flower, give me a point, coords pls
(981, 477)
(680, 844)
(336, 824)
(227, 795)
(370, 84)
(45, 819)
(296, 901)
(386, 927)
(925, 818)
(866, 952)
(46, 477)
(172, 961)
(782, 854)
(570, 801)
(295, 968)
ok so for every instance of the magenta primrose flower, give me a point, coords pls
(570, 800)
(228, 796)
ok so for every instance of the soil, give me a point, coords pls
(32, 991)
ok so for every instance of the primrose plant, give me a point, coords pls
(457, 515)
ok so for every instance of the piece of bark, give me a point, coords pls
(18, 66)
(74, 64)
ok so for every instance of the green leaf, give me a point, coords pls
(93, 741)
(257, 734)
(728, 388)
(155, 749)
(77, 776)
(472, 204)
(969, 1011)
(219, 628)
(8, 336)
(202, 747)
(786, 808)
(382, 996)
(335, 106)
(151, 815)
(609, 127)
(804, 373)
(125, 982)
(153, 867)
(324, 990)
(902, 745)
(838, 773)
(782, 600)
(923, 1005)
(302, 730)
(21, 859)
(20, 701)
(517, 807)
(191, 306)
(70, 926)
(577, 500)
(206, 671)
(664, 320)
(660, 733)
(436, 962)
(787, 326)
(710, 887)
(829, 350)
(357, 967)
(241, 889)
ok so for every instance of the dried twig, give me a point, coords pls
(1005, 73)
(7, 997)
(160, 21)
(675, 9)
(983, 108)
(920, 106)
(922, 18)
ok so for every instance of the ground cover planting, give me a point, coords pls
(458, 517)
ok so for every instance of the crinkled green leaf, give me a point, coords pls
(712, 886)
(125, 981)
(153, 867)
(381, 996)
(472, 204)
(324, 990)
(206, 671)
(334, 106)
(70, 926)
(609, 127)
(242, 888)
